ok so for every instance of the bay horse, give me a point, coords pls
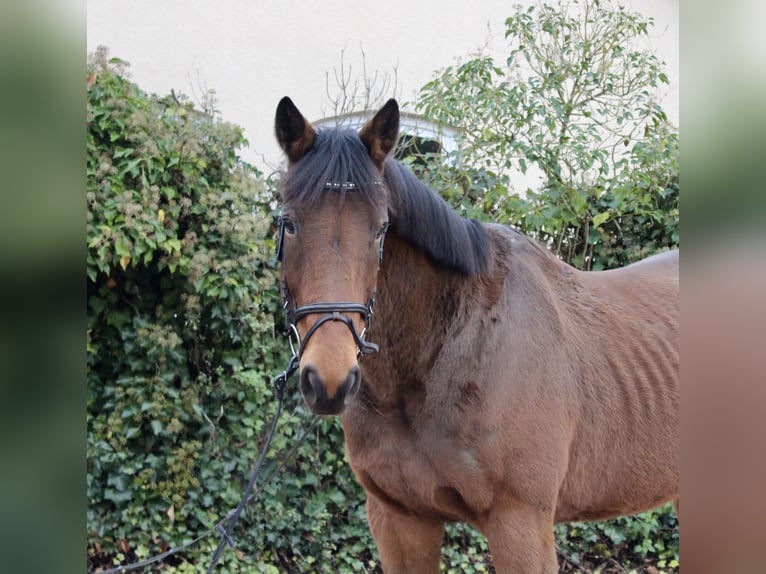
(504, 389)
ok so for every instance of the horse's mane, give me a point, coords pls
(416, 213)
(423, 218)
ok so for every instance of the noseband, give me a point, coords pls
(333, 311)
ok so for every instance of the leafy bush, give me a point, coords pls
(649, 539)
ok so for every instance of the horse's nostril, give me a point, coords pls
(352, 382)
(310, 384)
(315, 393)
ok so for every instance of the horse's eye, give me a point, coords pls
(382, 231)
(288, 225)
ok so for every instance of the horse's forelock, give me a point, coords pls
(337, 157)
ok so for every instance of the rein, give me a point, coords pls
(332, 311)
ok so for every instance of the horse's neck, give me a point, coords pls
(417, 303)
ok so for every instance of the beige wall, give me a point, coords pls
(253, 52)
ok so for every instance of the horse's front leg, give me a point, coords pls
(521, 540)
(406, 544)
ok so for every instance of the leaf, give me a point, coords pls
(337, 497)
(600, 218)
(124, 262)
(173, 245)
(122, 247)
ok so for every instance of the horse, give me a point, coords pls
(504, 388)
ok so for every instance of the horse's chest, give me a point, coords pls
(411, 472)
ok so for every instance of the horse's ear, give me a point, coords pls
(294, 133)
(379, 135)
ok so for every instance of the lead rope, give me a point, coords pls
(280, 382)
(232, 517)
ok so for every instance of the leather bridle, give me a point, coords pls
(332, 311)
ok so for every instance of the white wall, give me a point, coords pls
(253, 52)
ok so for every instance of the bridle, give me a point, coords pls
(332, 311)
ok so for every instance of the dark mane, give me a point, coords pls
(428, 222)
(337, 156)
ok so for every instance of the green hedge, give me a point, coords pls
(184, 335)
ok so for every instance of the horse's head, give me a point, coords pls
(332, 225)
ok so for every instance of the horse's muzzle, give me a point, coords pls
(314, 391)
